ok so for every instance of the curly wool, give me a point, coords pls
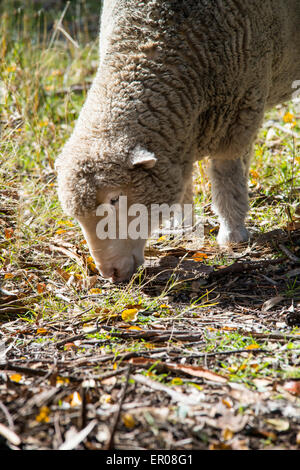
(182, 80)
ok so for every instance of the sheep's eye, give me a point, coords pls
(114, 200)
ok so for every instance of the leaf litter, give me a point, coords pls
(63, 375)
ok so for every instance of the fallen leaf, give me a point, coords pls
(66, 276)
(293, 386)
(262, 382)
(42, 331)
(189, 370)
(130, 314)
(232, 422)
(41, 287)
(227, 402)
(109, 381)
(279, 424)
(91, 264)
(95, 291)
(199, 256)
(65, 222)
(75, 399)
(105, 398)
(267, 434)
(176, 381)
(62, 380)
(70, 346)
(128, 421)
(252, 346)
(43, 416)
(201, 372)
(227, 434)
(288, 117)
(8, 233)
(219, 446)
(10, 435)
(271, 303)
(8, 276)
(15, 377)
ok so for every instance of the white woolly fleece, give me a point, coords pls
(179, 80)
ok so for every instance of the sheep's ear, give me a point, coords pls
(142, 157)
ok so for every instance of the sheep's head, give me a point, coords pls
(112, 202)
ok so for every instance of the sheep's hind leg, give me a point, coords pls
(230, 197)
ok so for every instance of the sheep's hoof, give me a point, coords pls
(226, 237)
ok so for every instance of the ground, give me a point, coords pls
(201, 349)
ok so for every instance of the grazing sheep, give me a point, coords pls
(177, 81)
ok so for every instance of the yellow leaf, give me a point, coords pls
(56, 73)
(199, 256)
(60, 231)
(128, 420)
(149, 345)
(11, 68)
(164, 306)
(130, 314)
(254, 174)
(162, 238)
(62, 380)
(15, 377)
(176, 381)
(65, 222)
(43, 416)
(135, 328)
(91, 264)
(8, 276)
(105, 398)
(288, 117)
(43, 123)
(227, 434)
(149, 373)
(41, 331)
(75, 399)
(227, 403)
(95, 290)
(252, 346)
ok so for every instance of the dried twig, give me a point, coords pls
(176, 396)
(249, 266)
(77, 438)
(289, 254)
(110, 444)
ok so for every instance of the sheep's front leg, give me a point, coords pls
(187, 203)
(229, 180)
